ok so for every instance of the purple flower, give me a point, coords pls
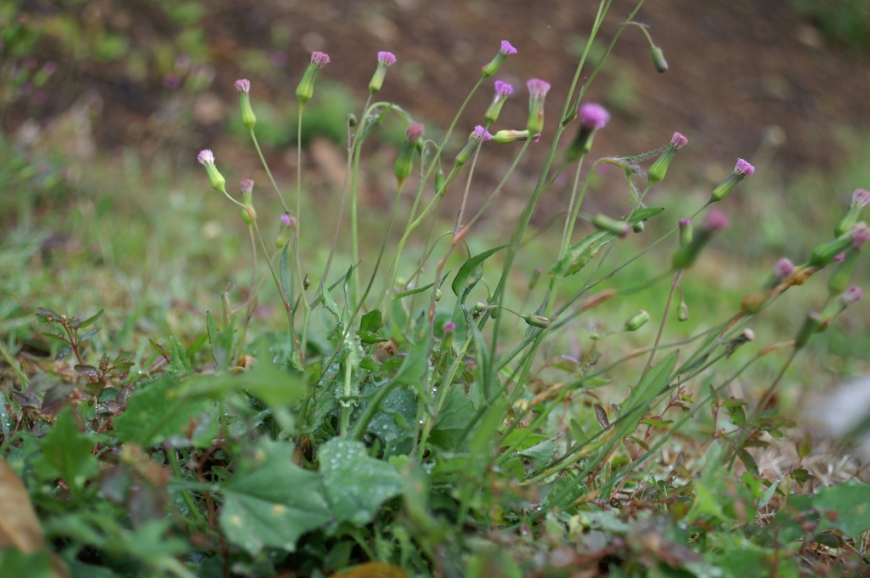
(319, 59)
(594, 116)
(286, 220)
(852, 295)
(860, 235)
(743, 168)
(507, 48)
(246, 186)
(480, 134)
(783, 269)
(716, 220)
(678, 141)
(685, 222)
(839, 257)
(243, 85)
(503, 89)
(449, 327)
(415, 132)
(860, 198)
(205, 156)
(538, 88)
(385, 58)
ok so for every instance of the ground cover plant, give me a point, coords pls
(424, 411)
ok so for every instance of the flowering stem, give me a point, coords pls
(354, 231)
(652, 353)
(268, 172)
(287, 306)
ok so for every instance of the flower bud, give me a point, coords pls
(305, 90)
(685, 231)
(537, 92)
(742, 170)
(478, 309)
(439, 182)
(249, 119)
(502, 91)
(306, 282)
(824, 254)
(509, 136)
(637, 321)
(839, 280)
(385, 60)
(505, 51)
(660, 167)
(783, 269)
(593, 117)
(351, 120)
(215, 178)
(605, 223)
(686, 254)
(860, 199)
(405, 161)
(658, 58)
(249, 215)
(683, 314)
(287, 223)
(638, 227)
(477, 136)
(537, 321)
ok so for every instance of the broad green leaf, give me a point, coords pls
(67, 454)
(371, 321)
(851, 504)
(33, 565)
(89, 334)
(271, 502)
(471, 272)
(355, 484)
(180, 364)
(414, 367)
(156, 412)
(265, 381)
(455, 414)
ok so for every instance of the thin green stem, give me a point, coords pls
(268, 172)
(652, 353)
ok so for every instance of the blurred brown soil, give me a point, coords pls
(747, 78)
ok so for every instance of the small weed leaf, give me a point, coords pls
(450, 424)
(265, 381)
(157, 412)
(371, 322)
(180, 364)
(89, 334)
(90, 321)
(851, 502)
(270, 501)
(67, 454)
(471, 272)
(415, 365)
(355, 484)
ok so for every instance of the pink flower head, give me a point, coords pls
(243, 85)
(678, 141)
(685, 222)
(480, 134)
(449, 327)
(860, 235)
(385, 58)
(415, 132)
(205, 156)
(246, 186)
(507, 48)
(716, 220)
(743, 168)
(839, 257)
(594, 116)
(319, 59)
(285, 220)
(783, 269)
(860, 198)
(503, 89)
(852, 295)
(538, 88)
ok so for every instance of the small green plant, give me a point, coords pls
(413, 416)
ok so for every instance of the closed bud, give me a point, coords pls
(405, 161)
(685, 231)
(351, 120)
(249, 119)
(637, 321)
(385, 60)
(477, 136)
(683, 313)
(502, 91)
(741, 170)
(215, 178)
(659, 168)
(658, 58)
(438, 295)
(505, 51)
(822, 255)
(537, 321)
(860, 199)
(305, 90)
(478, 309)
(509, 136)
(638, 227)
(605, 223)
(686, 254)
(593, 117)
(538, 90)
(306, 281)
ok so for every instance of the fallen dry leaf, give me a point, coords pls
(373, 570)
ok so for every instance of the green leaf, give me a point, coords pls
(640, 398)
(471, 272)
(371, 322)
(34, 565)
(355, 484)
(450, 424)
(850, 502)
(156, 412)
(91, 320)
(67, 454)
(271, 502)
(180, 364)
(415, 365)
(265, 381)
(89, 334)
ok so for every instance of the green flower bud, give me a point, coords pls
(605, 223)
(385, 60)
(860, 199)
(839, 280)
(215, 178)
(742, 170)
(502, 91)
(593, 117)
(405, 161)
(305, 90)
(658, 58)
(659, 168)
(683, 314)
(538, 90)
(537, 321)
(509, 136)
(478, 135)
(686, 254)
(685, 231)
(249, 119)
(637, 321)
(505, 51)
